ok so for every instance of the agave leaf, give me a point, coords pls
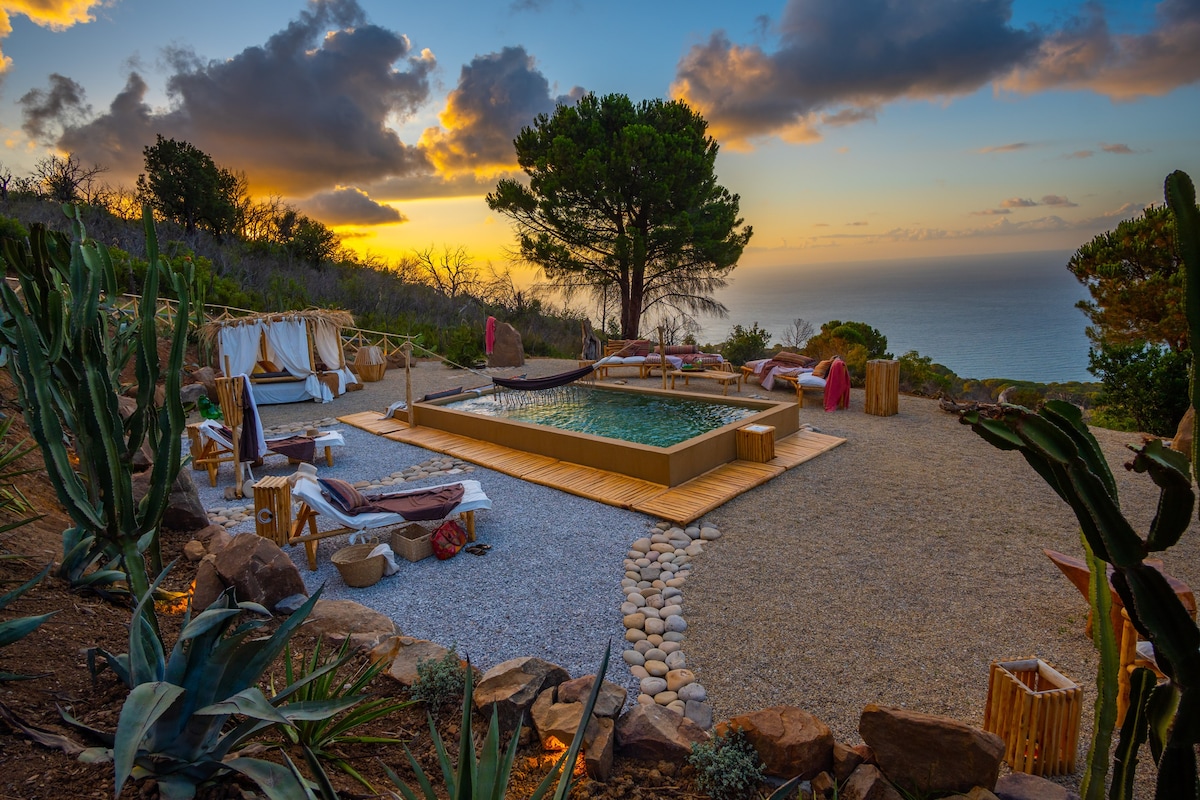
(317, 709)
(276, 781)
(249, 702)
(467, 767)
(25, 587)
(564, 783)
(16, 629)
(144, 705)
(208, 619)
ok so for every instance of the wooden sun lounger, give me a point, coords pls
(720, 376)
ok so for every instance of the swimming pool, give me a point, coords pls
(651, 419)
(637, 409)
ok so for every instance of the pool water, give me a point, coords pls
(643, 419)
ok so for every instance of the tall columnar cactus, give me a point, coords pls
(69, 346)
(1181, 199)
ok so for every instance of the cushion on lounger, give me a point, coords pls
(440, 395)
(822, 369)
(794, 358)
(341, 493)
(261, 367)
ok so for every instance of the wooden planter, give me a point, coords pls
(370, 364)
(883, 388)
(1035, 709)
(755, 443)
(273, 509)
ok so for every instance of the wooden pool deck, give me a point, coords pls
(682, 504)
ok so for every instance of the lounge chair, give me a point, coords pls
(313, 504)
(238, 443)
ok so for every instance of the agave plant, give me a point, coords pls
(13, 630)
(177, 724)
(319, 736)
(486, 777)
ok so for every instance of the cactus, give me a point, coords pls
(69, 347)
(1181, 199)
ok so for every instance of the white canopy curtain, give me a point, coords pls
(239, 344)
(328, 343)
(287, 340)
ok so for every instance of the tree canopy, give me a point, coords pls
(186, 186)
(1135, 280)
(623, 198)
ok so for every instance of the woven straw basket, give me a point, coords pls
(357, 570)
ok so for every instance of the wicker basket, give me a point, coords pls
(412, 541)
(357, 570)
(370, 364)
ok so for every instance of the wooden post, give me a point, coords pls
(408, 401)
(883, 388)
(662, 356)
(273, 509)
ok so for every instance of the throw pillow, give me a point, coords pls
(822, 369)
(342, 494)
(794, 358)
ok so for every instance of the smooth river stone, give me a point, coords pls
(672, 610)
(643, 647)
(677, 678)
(666, 558)
(633, 574)
(663, 698)
(651, 573)
(653, 686)
(672, 636)
(650, 612)
(709, 534)
(633, 621)
(678, 706)
(669, 647)
(634, 554)
(693, 531)
(656, 626)
(693, 691)
(654, 639)
(645, 700)
(633, 658)
(654, 654)
(639, 672)
(670, 568)
(641, 546)
(674, 623)
(694, 549)
(627, 609)
(662, 547)
(642, 562)
(655, 601)
(675, 660)
(670, 592)
(658, 669)
(650, 591)
(627, 584)
(658, 538)
(634, 635)
(637, 599)
(676, 582)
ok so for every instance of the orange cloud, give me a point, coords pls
(54, 14)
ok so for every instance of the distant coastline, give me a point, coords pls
(1009, 315)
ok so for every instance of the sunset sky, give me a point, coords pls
(852, 129)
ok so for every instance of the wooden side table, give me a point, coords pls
(273, 509)
(883, 387)
(755, 443)
(1035, 709)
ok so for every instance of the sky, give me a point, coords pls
(852, 130)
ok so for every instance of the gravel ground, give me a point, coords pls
(890, 570)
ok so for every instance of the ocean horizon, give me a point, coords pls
(1009, 315)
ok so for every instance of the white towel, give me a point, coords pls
(385, 550)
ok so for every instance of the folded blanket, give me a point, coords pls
(433, 503)
(297, 448)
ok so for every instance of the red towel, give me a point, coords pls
(837, 386)
(489, 336)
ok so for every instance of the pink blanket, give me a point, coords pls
(837, 386)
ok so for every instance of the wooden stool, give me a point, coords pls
(883, 387)
(197, 445)
(755, 443)
(273, 509)
(1035, 709)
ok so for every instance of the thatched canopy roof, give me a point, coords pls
(338, 318)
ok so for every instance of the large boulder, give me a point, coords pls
(556, 723)
(404, 653)
(337, 620)
(650, 732)
(508, 350)
(609, 702)
(207, 376)
(925, 753)
(514, 685)
(1019, 786)
(185, 512)
(789, 740)
(598, 748)
(190, 395)
(257, 570)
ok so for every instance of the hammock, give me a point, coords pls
(548, 382)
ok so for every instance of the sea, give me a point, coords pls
(1007, 315)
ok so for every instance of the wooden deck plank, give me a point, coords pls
(791, 451)
(370, 422)
(595, 484)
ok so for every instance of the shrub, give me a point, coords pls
(464, 345)
(1144, 387)
(439, 680)
(745, 344)
(727, 767)
(919, 375)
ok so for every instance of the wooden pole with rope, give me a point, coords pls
(408, 401)
(662, 356)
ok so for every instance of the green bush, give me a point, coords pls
(919, 375)
(1144, 387)
(745, 344)
(727, 767)
(439, 680)
(464, 345)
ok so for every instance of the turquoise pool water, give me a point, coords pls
(640, 418)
